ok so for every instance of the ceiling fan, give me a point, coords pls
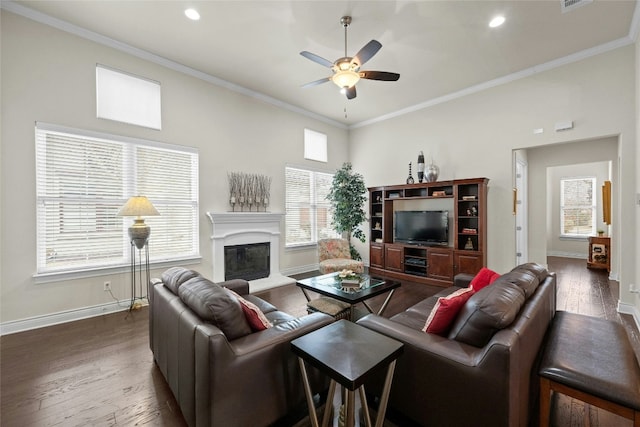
(346, 70)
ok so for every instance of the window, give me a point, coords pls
(83, 178)
(315, 145)
(577, 206)
(308, 212)
(127, 98)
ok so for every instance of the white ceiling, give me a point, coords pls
(439, 47)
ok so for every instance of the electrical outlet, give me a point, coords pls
(107, 286)
(633, 289)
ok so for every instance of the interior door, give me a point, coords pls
(520, 207)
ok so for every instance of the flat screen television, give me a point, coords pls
(421, 227)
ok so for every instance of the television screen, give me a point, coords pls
(421, 227)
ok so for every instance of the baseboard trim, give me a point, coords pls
(576, 255)
(36, 322)
(626, 308)
(299, 269)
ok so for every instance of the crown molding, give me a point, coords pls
(536, 69)
(42, 18)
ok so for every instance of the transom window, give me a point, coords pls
(578, 207)
(83, 178)
(308, 212)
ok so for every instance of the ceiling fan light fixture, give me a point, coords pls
(192, 14)
(345, 79)
(497, 21)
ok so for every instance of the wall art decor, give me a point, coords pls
(247, 191)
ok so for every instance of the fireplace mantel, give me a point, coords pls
(241, 228)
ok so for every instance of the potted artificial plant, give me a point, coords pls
(347, 195)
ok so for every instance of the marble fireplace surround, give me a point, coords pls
(241, 228)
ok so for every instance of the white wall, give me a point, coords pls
(475, 136)
(573, 247)
(49, 75)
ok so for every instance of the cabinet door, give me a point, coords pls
(393, 257)
(469, 263)
(376, 256)
(440, 264)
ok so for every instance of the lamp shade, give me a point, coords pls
(138, 206)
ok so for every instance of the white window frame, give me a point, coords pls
(592, 207)
(312, 205)
(127, 185)
(315, 146)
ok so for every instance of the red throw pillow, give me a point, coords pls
(255, 317)
(485, 277)
(445, 311)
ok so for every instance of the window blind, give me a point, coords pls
(83, 178)
(578, 206)
(308, 212)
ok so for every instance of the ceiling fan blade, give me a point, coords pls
(379, 75)
(318, 59)
(367, 52)
(351, 92)
(317, 82)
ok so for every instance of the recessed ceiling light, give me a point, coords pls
(497, 21)
(192, 14)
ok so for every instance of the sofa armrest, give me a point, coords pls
(462, 280)
(260, 367)
(279, 333)
(239, 286)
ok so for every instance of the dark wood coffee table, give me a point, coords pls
(348, 353)
(329, 286)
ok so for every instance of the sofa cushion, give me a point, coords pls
(215, 304)
(540, 272)
(524, 279)
(485, 277)
(255, 317)
(174, 277)
(445, 311)
(487, 311)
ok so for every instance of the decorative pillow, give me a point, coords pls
(445, 311)
(211, 302)
(255, 317)
(485, 277)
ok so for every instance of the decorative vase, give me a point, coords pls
(410, 178)
(420, 167)
(431, 174)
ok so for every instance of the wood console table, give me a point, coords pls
(599, 253)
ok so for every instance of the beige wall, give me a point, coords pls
(576, 248)
(475, 136)
(49, 76)
(547, 165)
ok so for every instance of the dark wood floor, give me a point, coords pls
(100, 371)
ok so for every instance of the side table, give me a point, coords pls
(348, 353)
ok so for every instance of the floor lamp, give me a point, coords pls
(139, 206)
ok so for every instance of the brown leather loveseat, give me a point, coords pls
(221, 372)
(483, 373)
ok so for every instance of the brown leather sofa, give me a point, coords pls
(484, 372)
(220, 372)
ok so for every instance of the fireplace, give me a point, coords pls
(248, 228)
(247, 262)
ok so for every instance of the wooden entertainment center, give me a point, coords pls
(466, 252)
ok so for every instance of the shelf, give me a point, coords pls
(433, 265)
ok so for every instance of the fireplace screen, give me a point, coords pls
(249, 262)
